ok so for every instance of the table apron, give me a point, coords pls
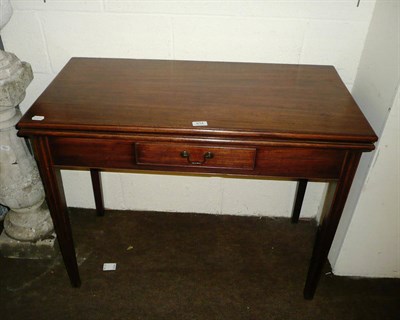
(198, 157)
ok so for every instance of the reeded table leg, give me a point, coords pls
(56, 201)
(328, 224)
(97, 191)
(298, 202)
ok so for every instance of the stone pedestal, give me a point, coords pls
(20, 186)
(41, 249)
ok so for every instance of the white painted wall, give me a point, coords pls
(372, 243)
(316, 32)
(368, 238)
(297, 31)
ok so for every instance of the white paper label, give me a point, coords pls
(38, 118)
(199, 124)
(109, 266)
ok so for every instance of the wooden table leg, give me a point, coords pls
(97, 191)
(298, 202)
(329, 222)
(55, 198)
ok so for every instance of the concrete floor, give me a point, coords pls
(188, 266)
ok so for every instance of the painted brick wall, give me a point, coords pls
(48, 34)
(330, 32)
(296, 31)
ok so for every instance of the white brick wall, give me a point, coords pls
(105, 35)
(330, 32)
(296, 31)
(238, 39)
(48, 34)
(58, 5)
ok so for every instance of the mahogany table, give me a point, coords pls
(295, 122)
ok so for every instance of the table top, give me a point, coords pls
(296, 102)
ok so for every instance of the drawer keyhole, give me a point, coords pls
(206, 156)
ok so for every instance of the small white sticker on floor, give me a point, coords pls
(109, 266)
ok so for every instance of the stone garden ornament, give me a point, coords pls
(21, 188)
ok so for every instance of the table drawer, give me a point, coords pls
(188, 155)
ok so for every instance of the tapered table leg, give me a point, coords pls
(328, 224)
(52, 183)
(298, 202)
(97, 191)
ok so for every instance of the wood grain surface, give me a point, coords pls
(236, 99)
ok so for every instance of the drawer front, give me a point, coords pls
(187, 155)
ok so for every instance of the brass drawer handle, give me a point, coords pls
(206, 156)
